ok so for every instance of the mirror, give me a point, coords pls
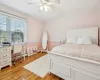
(44, 40)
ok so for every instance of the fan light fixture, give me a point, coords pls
(45, 8)
(45, 5)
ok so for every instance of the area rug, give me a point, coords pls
(40, 66)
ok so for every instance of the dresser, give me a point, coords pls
(5, 56)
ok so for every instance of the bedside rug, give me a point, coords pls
(40, 66)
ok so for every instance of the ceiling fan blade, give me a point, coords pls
(49, 3)
(43, 1)
(54, 1)
(29, 1)
(33, 1)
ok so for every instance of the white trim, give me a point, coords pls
(12, 15)
(33, 41)
(26, 32)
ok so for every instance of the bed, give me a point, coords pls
(77, 61)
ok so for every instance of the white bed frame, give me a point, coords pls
(87, 32)
(71, 68)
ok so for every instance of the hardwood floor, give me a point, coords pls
(19, 73)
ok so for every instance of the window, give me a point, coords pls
(12, 29)
(17, 30)
(3, 28)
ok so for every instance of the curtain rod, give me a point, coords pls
(12, 15)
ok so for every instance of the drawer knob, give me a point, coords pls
(5, 61)
(5, 56)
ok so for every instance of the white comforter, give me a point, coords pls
(90, 51)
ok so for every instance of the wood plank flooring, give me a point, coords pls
(19, 73)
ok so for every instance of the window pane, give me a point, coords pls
(17, 37)
(3, 29)
(11, 29)
(3, 39)
(17, 30)
(17, 25)
(0, 40)
(3, 22)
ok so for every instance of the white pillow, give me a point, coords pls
(72, 40)
(84, 40)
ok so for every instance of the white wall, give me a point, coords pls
(12, 11)
(35, 29)
(58, 27)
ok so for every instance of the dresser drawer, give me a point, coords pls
(5, 55)
(60, 68)
(4, 61)
(5, 49)
(5, 52)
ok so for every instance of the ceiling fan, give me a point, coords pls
(44, 4)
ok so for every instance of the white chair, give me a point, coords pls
(24, 51)
(17, 53)
(34, 49)
(29, 51)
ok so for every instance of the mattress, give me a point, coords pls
(87, 51)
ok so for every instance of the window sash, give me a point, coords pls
(8, 30)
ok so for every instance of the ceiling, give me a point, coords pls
(57, 10)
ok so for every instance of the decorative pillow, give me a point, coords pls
(84, 40)
(72, 40)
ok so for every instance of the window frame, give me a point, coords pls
(8, 24)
